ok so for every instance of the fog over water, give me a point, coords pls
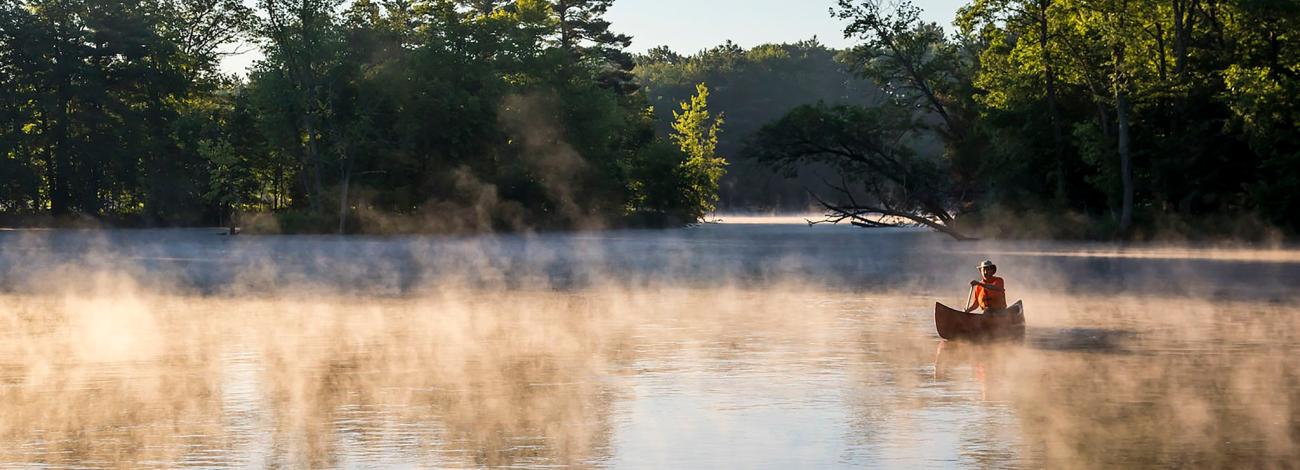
(745, 345)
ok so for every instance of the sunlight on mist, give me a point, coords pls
(121, 356)
(459, 376)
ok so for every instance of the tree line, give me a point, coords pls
(1094, 117)
(755, 86)
(1091, 117)
(364, 115)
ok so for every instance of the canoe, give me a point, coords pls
(955, 324)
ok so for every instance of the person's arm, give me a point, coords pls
(975, 299)
(992, 287)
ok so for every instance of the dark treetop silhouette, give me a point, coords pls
(1096, 118)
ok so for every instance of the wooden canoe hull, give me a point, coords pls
(955, 324)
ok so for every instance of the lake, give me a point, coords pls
(759, 344)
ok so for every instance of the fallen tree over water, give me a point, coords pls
(883, 182)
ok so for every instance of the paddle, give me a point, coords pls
(969, 295)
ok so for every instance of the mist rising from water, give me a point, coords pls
(720, 345)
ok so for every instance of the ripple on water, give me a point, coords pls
(719, 372)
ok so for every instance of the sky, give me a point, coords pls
(688, 26)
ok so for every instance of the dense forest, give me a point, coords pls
(1058, 118)
(363, 115)
(753, 87)
(1096, 118)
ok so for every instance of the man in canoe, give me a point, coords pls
(990, 291)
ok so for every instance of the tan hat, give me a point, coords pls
(987, 264)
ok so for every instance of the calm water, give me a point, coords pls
(719, 346)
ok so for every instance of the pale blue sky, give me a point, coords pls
(688, 26)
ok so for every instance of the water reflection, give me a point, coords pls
(307, 382)
(125, 370)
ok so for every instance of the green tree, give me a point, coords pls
(21, 126)
(887, 175)
(586, 34)
(231, 179)
(1145, 88)
(754, 87)
(486, 114)
(1019, 73)
(301, 46)
(911, 59)
(695, 131)
(1263, 96)
(919, 69)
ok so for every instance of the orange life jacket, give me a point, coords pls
(990, 299)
